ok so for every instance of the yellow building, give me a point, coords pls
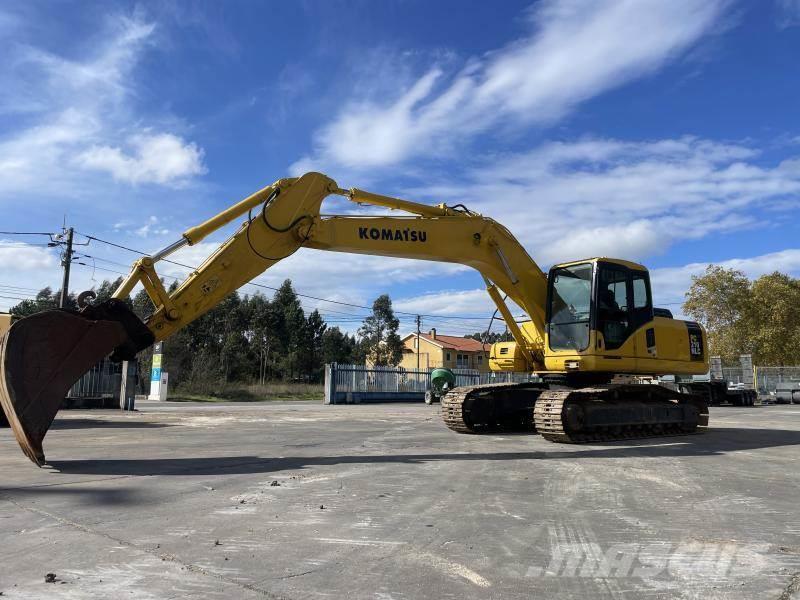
(436, 350)
(5, 322)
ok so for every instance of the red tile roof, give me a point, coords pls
(453, 342)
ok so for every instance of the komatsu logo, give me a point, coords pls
(396, 235)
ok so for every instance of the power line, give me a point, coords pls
(268, 287)
(16, 287)
(25, 233)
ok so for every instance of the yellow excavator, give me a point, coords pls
(592, 334)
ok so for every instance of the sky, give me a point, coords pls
(665, 132)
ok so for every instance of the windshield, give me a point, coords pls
(570, 307)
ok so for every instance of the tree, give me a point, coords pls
(380, 341)
(312, 344)
(761, 318)
(338, 347)
(141, 304)
(290, 330)
(45, 300)
(719, 300)
(772, 320)
(492, 337)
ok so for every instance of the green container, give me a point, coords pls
(442, 380)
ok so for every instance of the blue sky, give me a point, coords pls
(663, 132)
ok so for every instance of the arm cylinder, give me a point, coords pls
(416, 208)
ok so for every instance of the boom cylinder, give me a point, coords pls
(198, 232)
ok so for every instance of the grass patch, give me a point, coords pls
(270, 392)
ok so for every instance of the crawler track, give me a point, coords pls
(491, 407)
(617, 412)
(604, 413)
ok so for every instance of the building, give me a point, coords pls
(436, 350)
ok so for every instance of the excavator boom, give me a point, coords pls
(43, 355)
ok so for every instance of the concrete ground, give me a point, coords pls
(309, 501)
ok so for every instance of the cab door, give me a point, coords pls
(643, 325)
(624, 309)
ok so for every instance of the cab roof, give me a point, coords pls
(617, 261)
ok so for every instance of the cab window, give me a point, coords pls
(624, 303)
(613, 318)
(569, 309)
(642, 300)
(641, 295)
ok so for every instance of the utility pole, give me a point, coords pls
(419, 322)
(66, 262)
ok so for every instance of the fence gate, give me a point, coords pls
(353, 384)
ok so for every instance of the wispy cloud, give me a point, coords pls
(75, 116)
(17, 256)
(788, 13)
(670, 284)
(162, 158)
(151, 227)
(576, 50)
(593, 197)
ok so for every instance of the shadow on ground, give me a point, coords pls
(88, 495)
(715, 442)
(104, 424)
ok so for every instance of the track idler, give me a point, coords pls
(43, 355)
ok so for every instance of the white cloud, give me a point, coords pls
(151, 227)
(162, 158)
(449, 302)
(568, 200)
(73, 114)
(670, 284)
(576, 50)
(17, 256)
(24, 269)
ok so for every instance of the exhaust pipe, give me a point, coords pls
(43, 355)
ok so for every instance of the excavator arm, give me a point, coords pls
(41, 356)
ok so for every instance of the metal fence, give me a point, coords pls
(101, 381)
(764, 379)
(770, 378)
(359, 383)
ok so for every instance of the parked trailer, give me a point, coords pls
(718, 391)
(787, 392)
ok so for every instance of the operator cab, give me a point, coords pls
(606, 295)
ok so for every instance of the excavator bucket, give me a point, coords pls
(42, 355)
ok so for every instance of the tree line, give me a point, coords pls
(252, 338)
(759, 317)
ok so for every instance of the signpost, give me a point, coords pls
(158, 380)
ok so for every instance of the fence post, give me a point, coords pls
(124, 402)
(330, 384)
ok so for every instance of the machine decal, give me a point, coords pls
(396, 235)
(650, 335)
(695, 340)
(210, 285)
